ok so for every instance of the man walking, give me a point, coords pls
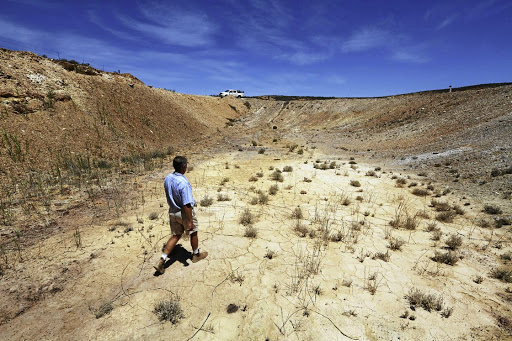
(182, 216)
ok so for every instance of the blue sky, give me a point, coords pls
(316, 48)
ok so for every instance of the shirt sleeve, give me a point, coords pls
(186, 195)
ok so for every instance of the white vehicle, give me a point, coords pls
(234, 93)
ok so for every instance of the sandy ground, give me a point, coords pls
(285, 286)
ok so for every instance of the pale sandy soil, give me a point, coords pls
(278, 298)
(69, 247)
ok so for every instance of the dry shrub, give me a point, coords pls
(450, 257)
(337, 236)
(276, 176)
(169, 310)
(270, 254)
(440, 206)
(355, 183)
(400, 182)
(382, 256)
(223, 197)
(396, 243)
(206, 201)
(104, 309)
(301, 230)
(297, 213)
(273, 189)
(262, 199)
(250, 232)
(446, 216)
(502, 274)
(420, 192)
(429, 302)
(246, 218)
(288, 169)
(153, 216)
(492, 209)
(437, 234)
(432, 226)
(370, 173)
(454, 242)
(410, 222)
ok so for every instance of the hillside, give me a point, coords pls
(325, 219)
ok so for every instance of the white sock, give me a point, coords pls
(196, 251)
(164, 256)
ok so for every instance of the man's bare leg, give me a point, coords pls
(171, 243)
(194, 242)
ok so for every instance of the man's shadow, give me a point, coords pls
(180, 254)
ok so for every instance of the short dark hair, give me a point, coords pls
(179, 162)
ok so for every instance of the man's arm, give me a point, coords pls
(187, 216)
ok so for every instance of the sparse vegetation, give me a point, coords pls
(446, 216)
(169, 310)
(250, 231)
(420, 192)
(355, 183)
(104, 309)
(288, 169)
(246, 218)
(297, 213)
(395, 244)
(429, 302)
(454, 242)
(223, 197)
(273, 189)
(276, 176)
(206, 201)
(450, 257)
(492, 209)
(502, 274)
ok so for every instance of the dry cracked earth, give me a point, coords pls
(324, 220)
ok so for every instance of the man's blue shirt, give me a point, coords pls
(178, 191)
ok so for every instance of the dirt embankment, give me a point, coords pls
(53, 109)
(463, 138)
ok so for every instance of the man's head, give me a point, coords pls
(180, 164)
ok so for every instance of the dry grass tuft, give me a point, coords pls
(273, 189)
(355, 183)
(502, 274)
(450, 257)
(454, 242)
(206, 201)
(276, 176)
(223, 197)
(395, 244)
(429, 302)
(492, 209)
(250, 232)
(169, 310)
(297, 213)
(246, 218)
(104, 309)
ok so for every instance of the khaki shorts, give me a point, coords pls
(176, 223)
